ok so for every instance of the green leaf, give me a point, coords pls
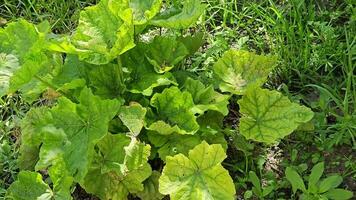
(173, 108)
(120, 168)
(198, 176)
(193, 43)
(102, 35)
(62, 181)
(8, 65)
(330, 182)
(29, 186)
(170, 145)
(143, 78)
(133, 117)
(180, 18)
(107, 81)
(21, 55)
(339, 194)
(84, 124)
(165, 52)
(268, 116)
(256, 182)
(144, 10)
(31, 137)
(296, 181)
(205, 98)
(150, 191)
(315, 175)
(238, 69)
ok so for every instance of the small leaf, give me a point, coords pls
(165, 52)
(330, 182)
(268, 115)
(173, 108)
(205, 98)
(296, 181)
(143, 78)
(339, 194)
(199, 176)
(133, 117)
(255, 181)
(315, 175)
(237, 70)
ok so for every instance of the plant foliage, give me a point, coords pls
(122, 103)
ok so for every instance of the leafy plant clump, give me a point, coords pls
(127, 119)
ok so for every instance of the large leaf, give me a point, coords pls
(174, 115)
(120, 168)
(84, 124)
(143, 78)
(199, 176)
(29, 186)
(268, 115)
(239, 69)
(21, 55)
(180, 18)
(102, 34)
(165, 52)
(205, 98)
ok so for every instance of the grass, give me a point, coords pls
(62, 14)
(315, 45)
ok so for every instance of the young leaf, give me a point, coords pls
(22, 56)
(150, 191)
(205, 98)
(173, 108)
(180, 18)
(165, 52)
(256, 182)
(339, 194)
(199, 176)
(120, 168)
(296, 181)
(143, 78)
(239, 69)
(193, 43)
(133, 117)
(330, 182)
(29, 185)
(315, 175)
(268, 116)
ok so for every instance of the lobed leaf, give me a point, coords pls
(268, 115)
(238, 69)
(198, 176)
(120, 168)
(173, 109)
